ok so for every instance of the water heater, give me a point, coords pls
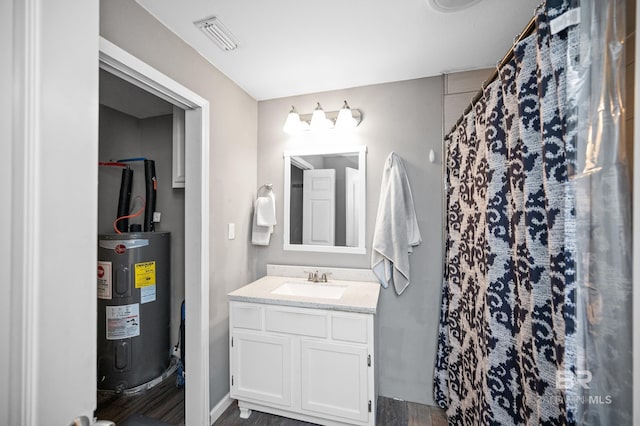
(133, 308)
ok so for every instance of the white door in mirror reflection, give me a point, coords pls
(319, 207)
(352, 197)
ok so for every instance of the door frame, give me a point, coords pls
(352, 187)
(117, 61)
(636, 237)
(310, 197)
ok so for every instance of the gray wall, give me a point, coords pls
(459, 90)
(405, 117)
(124, 136)
(6, 134)
(233, 139)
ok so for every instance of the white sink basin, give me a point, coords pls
(321, 291)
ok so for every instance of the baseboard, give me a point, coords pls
(220, 408)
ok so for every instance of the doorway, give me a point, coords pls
(195, 175)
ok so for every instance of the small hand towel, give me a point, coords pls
(266, 210)
(396, 231)
(260, 235)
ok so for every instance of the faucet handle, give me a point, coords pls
(324, 276)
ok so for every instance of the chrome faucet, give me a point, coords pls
(314, 277)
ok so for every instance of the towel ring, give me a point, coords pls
(267, 186)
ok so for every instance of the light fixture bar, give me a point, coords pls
(216, 31)
(333, 116)
(344, 119)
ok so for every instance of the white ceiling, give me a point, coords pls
(293, 47)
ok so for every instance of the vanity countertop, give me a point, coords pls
(358, 296)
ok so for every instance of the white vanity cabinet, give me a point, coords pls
(310, 364)
(262, 368)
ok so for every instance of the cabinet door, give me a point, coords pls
(261, 367)
(334, 379)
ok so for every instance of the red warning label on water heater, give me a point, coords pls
(104, 280)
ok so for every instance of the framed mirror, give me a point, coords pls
(325, 200)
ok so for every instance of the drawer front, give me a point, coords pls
(296, 322)
(246, 316)
(349, 328)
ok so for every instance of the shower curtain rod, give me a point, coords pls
(528, 30)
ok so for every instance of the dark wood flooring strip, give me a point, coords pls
(390, 412)
(419, 415)
(163, 402)
(438, 417)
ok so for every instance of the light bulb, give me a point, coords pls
(345, 118)
(319, 119)
(292, 125)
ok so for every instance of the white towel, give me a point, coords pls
(260, 235)
(396, 231)
(266, 210)
(264, 219)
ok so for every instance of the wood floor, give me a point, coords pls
(390, 412)
(165, 403)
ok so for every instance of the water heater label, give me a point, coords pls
(123, 321)
(145, 274)
(104, 280)
(128, 244)
(147, 294)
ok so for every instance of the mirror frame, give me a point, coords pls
(361, 151)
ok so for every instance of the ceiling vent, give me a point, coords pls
(216, 31)
(451, 5)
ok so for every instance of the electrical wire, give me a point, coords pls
(111, 163)
(129, 216)
(129, 160)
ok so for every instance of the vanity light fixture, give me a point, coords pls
(319, 120)
(216, 31)
(293, 123)
(346, 118)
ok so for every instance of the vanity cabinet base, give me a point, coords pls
(244, 412)
(309, 364)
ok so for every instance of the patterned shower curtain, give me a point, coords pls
(516, 343)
